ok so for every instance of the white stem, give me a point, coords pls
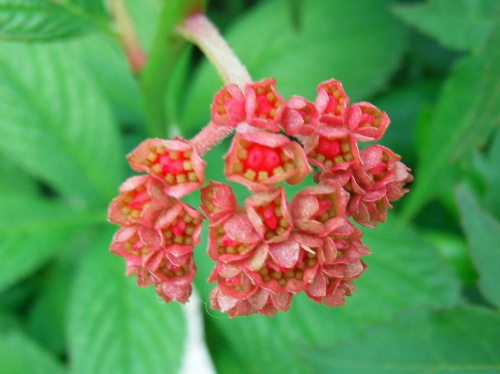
(199, 30)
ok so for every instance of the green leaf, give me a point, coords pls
(31, 232)
(37, 20)
(116, 327)
(47, 318)
(467, 111)
(458, 24)
(403, 105)
(43, 20)
(492, 177)
(20, 355)
(14, 180)
(453, 341)
(55, 123)
(358, 42)
(483, 234)
(108, 66)
(404, 273)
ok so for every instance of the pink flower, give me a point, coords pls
(366, 122)
(314, 206)
(228, 106)
(300, 117)
(269, 214)
(264, 106)
(260, 301)
(180, 226)
(332, 102)
(217, 201)
(173, 281)
(174, 162)
(281, 267)
(332, 149)
(134, 243)
(232, 240)
(339, 263)
(261, 160)
(139, 199)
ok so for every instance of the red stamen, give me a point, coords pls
(270, 218)
(328, 148)
(262, 158)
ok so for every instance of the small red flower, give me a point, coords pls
(332, 149)
(300, 117)
(180, 226)
(228, 106)
(261, 160)
(139, 201)
(260, 301)
(332, 102)
(269, 214)
(314, 206)
(232, 240)
(217, 201)
(264, 106)
(174, 162)
(366, 122)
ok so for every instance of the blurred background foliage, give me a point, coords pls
(70, 109)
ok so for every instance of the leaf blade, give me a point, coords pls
(114, 326)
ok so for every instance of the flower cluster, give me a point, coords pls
(159, 231)
(269, 248)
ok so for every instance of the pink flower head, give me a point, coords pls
(180, 226)
(300, 117)
(228, 106)
(173, 282)
(332, 102)
(269, 214)
(174, 162)
(140, 197)
(261, 301)
(340, 263)
(281, 267)
(217, 201)
(366, 122)
(313, 206)
(381, 166)
(232, 240)
(330, 151)
(264, 106)
(134, 243)
(261, 160)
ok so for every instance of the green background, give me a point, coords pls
(70, 110)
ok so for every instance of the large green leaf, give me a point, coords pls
(404, 273)
(492, 177)
(31, 232)
(37, 20)
(457, 24)
(358, 42)
(467, 111)
(55, 123)
(483, 233)
(453, 341)
(116, 327)
(20, 355)
(42, 20)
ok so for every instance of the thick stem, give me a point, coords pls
(210, 136)
(129, 39)
(198, 29)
